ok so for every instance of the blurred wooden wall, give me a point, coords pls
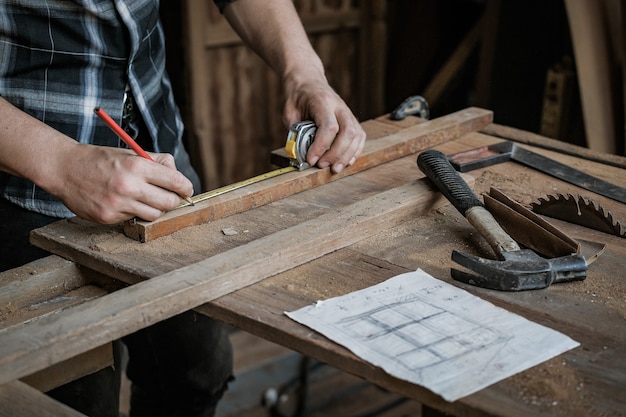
(233, 101)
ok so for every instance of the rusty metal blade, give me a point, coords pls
(527, 228)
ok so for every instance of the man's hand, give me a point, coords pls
(109, 185)
(103, 184)
(273, 29)
(339, 139)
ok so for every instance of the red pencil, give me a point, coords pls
(126, 138)
(121, 133)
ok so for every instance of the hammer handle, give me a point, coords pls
(437, 167)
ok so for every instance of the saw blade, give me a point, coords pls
(578, 210)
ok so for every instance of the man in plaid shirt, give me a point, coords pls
(59, 60)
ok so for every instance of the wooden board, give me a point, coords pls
(30, 348)
(21, 400)
(378, 150)
(71, 369)
(595, 67)
(44, 288)
(587, 381)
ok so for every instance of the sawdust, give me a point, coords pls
(552, 385)
(7, 311)
(517, 185)
(601, 290)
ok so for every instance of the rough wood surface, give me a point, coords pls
(378, 150)
(68, 333)
(587, 381)
(40, 289)
(21, 400)
(71, 369)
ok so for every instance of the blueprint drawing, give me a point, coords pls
(428, 332)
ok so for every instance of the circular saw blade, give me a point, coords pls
(578, 210)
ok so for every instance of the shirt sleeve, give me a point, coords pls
(221, 4)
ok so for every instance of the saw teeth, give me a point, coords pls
(579, 210)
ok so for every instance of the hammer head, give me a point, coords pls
(519, 270)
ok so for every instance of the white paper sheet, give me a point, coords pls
(425, 331)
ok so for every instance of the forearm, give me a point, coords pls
(29, 148)
(274, 31)
(104, 184)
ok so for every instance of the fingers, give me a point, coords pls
(338, 143)
(110, 185)
(339, 139)
(172, 180)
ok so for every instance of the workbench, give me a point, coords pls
(420, 233)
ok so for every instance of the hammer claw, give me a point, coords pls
(517, 269)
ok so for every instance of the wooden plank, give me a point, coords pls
(43, 288)
(73, 331)
(36, 282)
(20, 400)
(376, 152)
(330, 21)
(51, 305)
(71, 369)
(594, 67)
(585, 381)
(199, 75)
(488, 41)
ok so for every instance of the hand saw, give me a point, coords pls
(299, 139)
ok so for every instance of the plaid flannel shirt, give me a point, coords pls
(60, 59)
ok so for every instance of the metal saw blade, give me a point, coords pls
(578, 210)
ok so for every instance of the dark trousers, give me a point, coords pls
(178, 367)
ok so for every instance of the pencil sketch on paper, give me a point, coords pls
(419, 335)
(428, 332)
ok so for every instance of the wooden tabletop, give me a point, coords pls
(585, 381)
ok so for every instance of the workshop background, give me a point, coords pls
(516, 58)
(553, 67)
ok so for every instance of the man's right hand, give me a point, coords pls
(103, 184)
(109, 185)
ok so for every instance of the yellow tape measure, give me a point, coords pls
(299, 140)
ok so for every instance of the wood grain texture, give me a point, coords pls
(584, 382)
(587, 381)
(21, 400)
(378, 150)
(71, 369)
(43, 288)
(31, 348)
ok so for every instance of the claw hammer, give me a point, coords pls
(516, 269)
